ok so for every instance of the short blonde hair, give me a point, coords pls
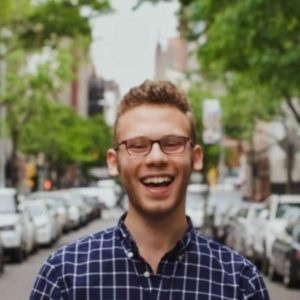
(158, 92)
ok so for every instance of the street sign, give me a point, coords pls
(212, 128)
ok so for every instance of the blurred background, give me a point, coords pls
(64, 66)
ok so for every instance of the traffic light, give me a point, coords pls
(31, 176)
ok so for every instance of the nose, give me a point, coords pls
(156, 155)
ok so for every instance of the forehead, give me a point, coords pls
(153, 121)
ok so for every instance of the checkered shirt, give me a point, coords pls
(107, 266)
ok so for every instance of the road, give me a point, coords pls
(17, 281)
(279, 292)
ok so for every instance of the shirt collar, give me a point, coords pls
(124, 235)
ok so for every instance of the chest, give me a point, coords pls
(131, 278)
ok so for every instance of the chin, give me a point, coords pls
(157, 211)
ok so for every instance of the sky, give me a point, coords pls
(124, 42)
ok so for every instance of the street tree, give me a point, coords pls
(29, 27)
(253, 47)
(28, 95)
(64, 138)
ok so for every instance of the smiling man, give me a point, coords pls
(153, 252)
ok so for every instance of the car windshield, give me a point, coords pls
(8, 203)
(285, 209)
(257, 211)
(297, 232)
(36, 210)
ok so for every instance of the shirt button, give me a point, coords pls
(130, 254)
(180, 257)
(146, 274)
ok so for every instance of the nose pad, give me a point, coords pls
(156, 154)
(156, 148)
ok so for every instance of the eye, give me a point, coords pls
(172, 142)
(138, 144)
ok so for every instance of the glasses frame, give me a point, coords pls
(159, 141)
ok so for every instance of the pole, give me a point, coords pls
(222, 165)
(2, 114)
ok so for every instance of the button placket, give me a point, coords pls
(146, 274)
(130, 254)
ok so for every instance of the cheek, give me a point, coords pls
(126, 168)
(188, 163)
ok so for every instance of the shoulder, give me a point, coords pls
(80, 251)
(218, 252)
(84, 246)
(69, 261)
(222, 257)
(232, 267)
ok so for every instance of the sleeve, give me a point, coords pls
(252, 284)
(47, 284)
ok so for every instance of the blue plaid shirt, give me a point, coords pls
(107, 266)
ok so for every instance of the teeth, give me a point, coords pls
(156, 180)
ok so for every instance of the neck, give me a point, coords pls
(155, 236)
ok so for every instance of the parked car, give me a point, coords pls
(108, 192)
(58, 213)
(91, 198)
(220, 199)
(285, 258)
(195, 204)
(73, 210)
(44, 221)
(271, 223)
(16, 228)
(234, 177)
(244, 227)
(227, 224)
(1, 257)
(28, 227)
(84, 207)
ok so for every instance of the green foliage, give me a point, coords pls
(35, 121)
(43, 125)
(64, 137)
(26, 91)
(47, 22)
(245, 103)
(196, 97)
(11, 10)
(254, 46)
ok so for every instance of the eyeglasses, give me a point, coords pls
(142, 146)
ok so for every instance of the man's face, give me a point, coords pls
(155, 183)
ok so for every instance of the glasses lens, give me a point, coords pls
(138, 146)
(173, 144)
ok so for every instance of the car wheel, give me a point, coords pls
(287, 279)
(265, 265)
(272, 272)
(19, 255)
(1, 265)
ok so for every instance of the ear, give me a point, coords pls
(198, 158)
(111, 159)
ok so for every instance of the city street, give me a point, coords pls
(17, 280)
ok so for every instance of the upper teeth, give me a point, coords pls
(156, 180)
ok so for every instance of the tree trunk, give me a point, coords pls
(290, 154)
(14, 158)
(293, 109)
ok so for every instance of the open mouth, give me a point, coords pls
(159, 181)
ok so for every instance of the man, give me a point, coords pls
(153, 252)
